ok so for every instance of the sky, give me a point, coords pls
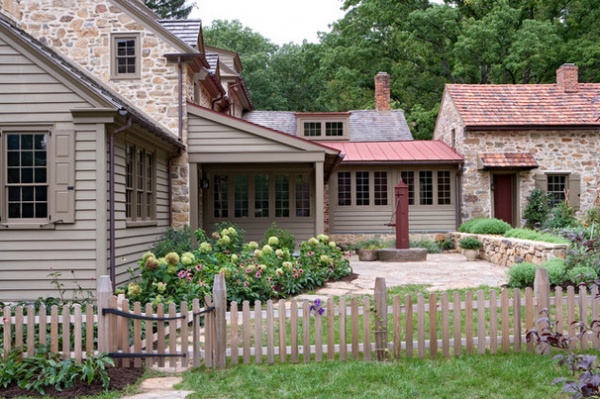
(281, 21)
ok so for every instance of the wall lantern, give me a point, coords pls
(204, 184)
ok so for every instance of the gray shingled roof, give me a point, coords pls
(365, 125)
(213, 61)
(185, 29)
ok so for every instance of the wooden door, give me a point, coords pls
(504, 197)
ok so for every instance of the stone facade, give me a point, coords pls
(560, 151)
(510, 251)
(81, 30)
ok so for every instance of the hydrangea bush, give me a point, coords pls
(252, 272)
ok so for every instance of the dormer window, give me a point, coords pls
(323, 126)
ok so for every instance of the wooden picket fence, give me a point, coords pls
(436, 325)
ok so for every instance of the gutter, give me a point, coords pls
(111, 195)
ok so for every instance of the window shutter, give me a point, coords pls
(62, 183)
(541, 182)
(574, 190)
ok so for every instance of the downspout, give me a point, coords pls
(458, 201)
(111, 197)
(180, 99)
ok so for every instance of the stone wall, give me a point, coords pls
(509, 251)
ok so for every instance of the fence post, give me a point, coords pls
(104, 292)
(541, 287)
(381, 319)
(220, 303)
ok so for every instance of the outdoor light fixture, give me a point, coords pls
(204, 184)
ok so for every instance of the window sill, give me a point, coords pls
(145, 223)
(28, 226)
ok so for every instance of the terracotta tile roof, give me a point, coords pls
(510, 160)
(398, 152)
(527, 105)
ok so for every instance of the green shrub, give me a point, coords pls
(431, 246)
(485, 226)
(527, 234)
(174, 240)
(467, 226)
(537, 208)
(561, 216)
(372, 244)
(469, 243)
(581, 275)
(557, 270)
(286, 238)
(521, 275)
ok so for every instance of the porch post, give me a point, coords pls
(319, 199)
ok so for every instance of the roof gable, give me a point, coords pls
(533, 105)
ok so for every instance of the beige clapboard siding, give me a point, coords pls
(209, 137)
(421, 219)
(29, 95)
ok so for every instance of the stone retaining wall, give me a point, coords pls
(509, 251)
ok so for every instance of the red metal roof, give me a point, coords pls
(414, 151)
(526, 104)
(510, 160)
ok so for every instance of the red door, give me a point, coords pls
(503, 197)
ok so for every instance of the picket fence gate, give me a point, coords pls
(210, 335)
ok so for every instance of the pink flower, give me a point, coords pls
(257, 275)
(246, 284)
(301, 271)
(296, 275)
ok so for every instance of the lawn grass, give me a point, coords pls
(522, 375)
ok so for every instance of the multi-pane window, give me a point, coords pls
(221, 197)
(408, 177)
(261, 196)
(334, 129)
(140, 179)
(27, 175)
(240, 196)
(444, 188)
(426, 188)
(312, 129)
(556, 188)
(302, 195)
(344, 189)
(381, 188)
(282, 196)
(362, 188)
(125, 56)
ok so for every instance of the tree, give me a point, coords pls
(170, 9)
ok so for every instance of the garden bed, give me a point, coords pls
(504, 251)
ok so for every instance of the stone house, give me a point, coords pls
(377, 150)
(518, 137)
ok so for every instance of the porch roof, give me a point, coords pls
(507, 160)
(397, 152)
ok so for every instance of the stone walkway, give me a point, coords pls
(446, 271)
(442, 272)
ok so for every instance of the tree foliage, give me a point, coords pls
(170, 9)
(423, 45)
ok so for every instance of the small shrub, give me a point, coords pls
(469, 243)
(557, 270)
(581, 275)
(592, 216)
(561, 216)
(233, 231)
(446, 244)
(485, 226)
(537, 208)
(372, 244)
(431, 246)
(286, 238)
(521, 275)
(174, 240)
(527, 234)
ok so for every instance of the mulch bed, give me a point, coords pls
(119, 379)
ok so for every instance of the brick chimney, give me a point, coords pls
(382, 91)
(567, 78)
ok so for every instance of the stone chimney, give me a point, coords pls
(382, 91)
(567, 78)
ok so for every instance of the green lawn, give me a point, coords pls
(487, 376)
